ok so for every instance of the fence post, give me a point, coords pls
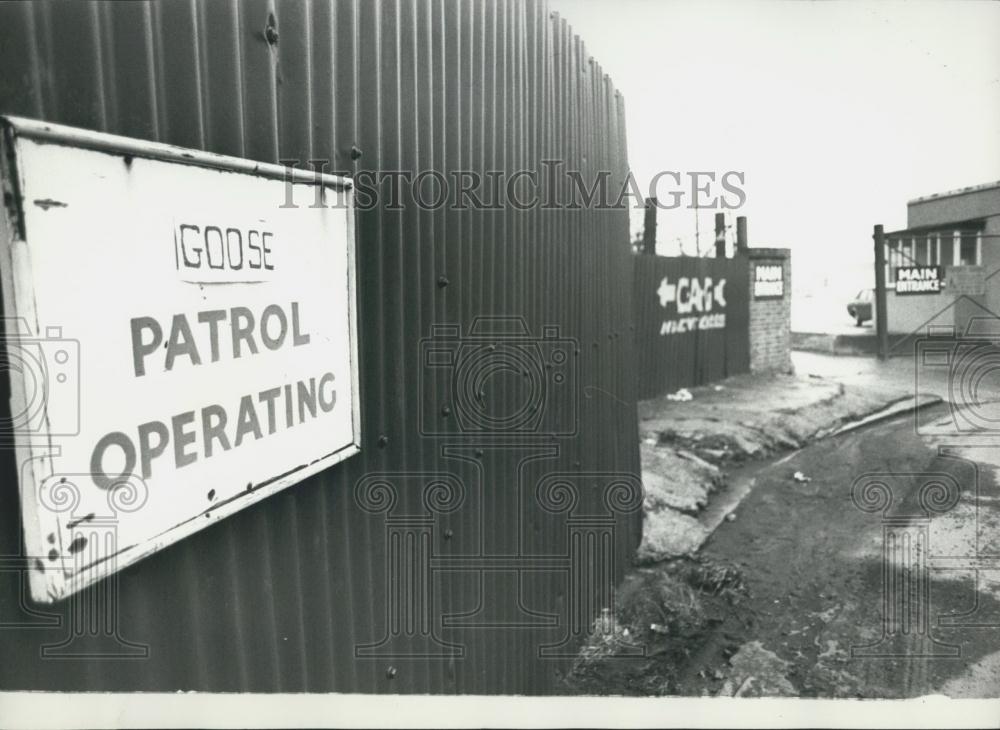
(741, 234)
(720, 235)
(881, 314)
(649, 228)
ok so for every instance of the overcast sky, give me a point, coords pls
(838, 113)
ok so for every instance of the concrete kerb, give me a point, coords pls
(687, 446)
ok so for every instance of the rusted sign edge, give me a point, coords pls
(60, 134)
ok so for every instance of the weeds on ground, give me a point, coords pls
(661, 616)
(713, 577)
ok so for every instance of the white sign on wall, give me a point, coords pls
(181, 342)
(768, 281)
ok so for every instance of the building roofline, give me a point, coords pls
(957, 191)
(974, 225)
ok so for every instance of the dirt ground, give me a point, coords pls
(784, 595)
(690, 446)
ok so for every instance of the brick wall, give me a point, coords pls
(770, 318)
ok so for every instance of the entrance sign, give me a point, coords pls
(181, 340)
(919, 279)
(768, 281)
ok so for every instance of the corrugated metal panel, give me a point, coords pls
(666, 362)
(282, 595)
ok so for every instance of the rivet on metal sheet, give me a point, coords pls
(271, 34)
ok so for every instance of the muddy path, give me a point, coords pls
(796, 595)
(813, 564)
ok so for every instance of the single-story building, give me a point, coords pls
(942, 268)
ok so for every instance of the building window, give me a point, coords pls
(969, 251)
(947, 248)
(947, 245)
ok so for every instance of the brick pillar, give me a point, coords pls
(770, 308)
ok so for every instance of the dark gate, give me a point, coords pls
(450, 556)
(692, 321)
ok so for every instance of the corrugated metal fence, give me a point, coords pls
(692, 321)
(442, 559)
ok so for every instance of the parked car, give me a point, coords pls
(860, 308)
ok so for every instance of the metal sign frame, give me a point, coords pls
(52, 582)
